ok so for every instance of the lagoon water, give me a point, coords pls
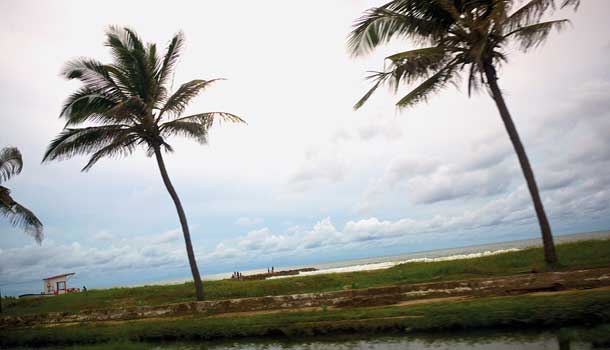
(547, 340)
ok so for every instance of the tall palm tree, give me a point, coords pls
(127, 104)
(458, 35)
(11, 164)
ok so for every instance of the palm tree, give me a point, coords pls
(11, 164)
(127, 105)
(458, 35)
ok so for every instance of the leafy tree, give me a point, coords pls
(127, 105)
(11, 164)
(458, 36)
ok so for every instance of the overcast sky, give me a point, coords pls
(307, 179)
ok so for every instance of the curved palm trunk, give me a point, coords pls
(547, 237)
(183, 223)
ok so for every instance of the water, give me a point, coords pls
(523, 340)
(546, 341)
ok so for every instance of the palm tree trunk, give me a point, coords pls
(547, 237)
(183, 223)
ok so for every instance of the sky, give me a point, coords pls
(308, 179)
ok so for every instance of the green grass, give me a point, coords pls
(593, 253)
(581, 308)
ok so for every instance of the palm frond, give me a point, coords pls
(11, 163)
(129, 56)
(379, 78)
(95, 75)
(533, 11)
(534, 35)
(71, 142)
(207, 119)
(406, 67)
(413, 65)
(171, 57)
(126, 111)
(194, 130)
(574, 3)
(176, 103)
(153, 65)
(88, 105)
(379, 25)
(196, 126)
(431, 53)
(20, 216)
(121, 146)
(428, 87)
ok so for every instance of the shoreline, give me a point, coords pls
(389, 264)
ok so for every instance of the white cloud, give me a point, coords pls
(320, 167)
(426, 180)
(167, 236)
(33, 261)
(387, 128)
(246, 221)
(511, 210)
(103, 235)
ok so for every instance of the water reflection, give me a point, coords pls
(545, 341)
(473, 340)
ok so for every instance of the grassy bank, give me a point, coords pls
(574, 308)
(593, 253)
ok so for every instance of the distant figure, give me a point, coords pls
(268, 270)
(84, 289)
(272, 269)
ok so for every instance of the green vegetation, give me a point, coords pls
(572, 308)
(131, 103)
(11, 164)
(593, 253)
(471, 36)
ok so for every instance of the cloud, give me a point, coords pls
(103, 235)
(324, 235)
(167, 236)
(340, 135)
(319, 168)
(482, 172)
(567, 200)
(246, 221)
(386, 128)
(34, 262)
